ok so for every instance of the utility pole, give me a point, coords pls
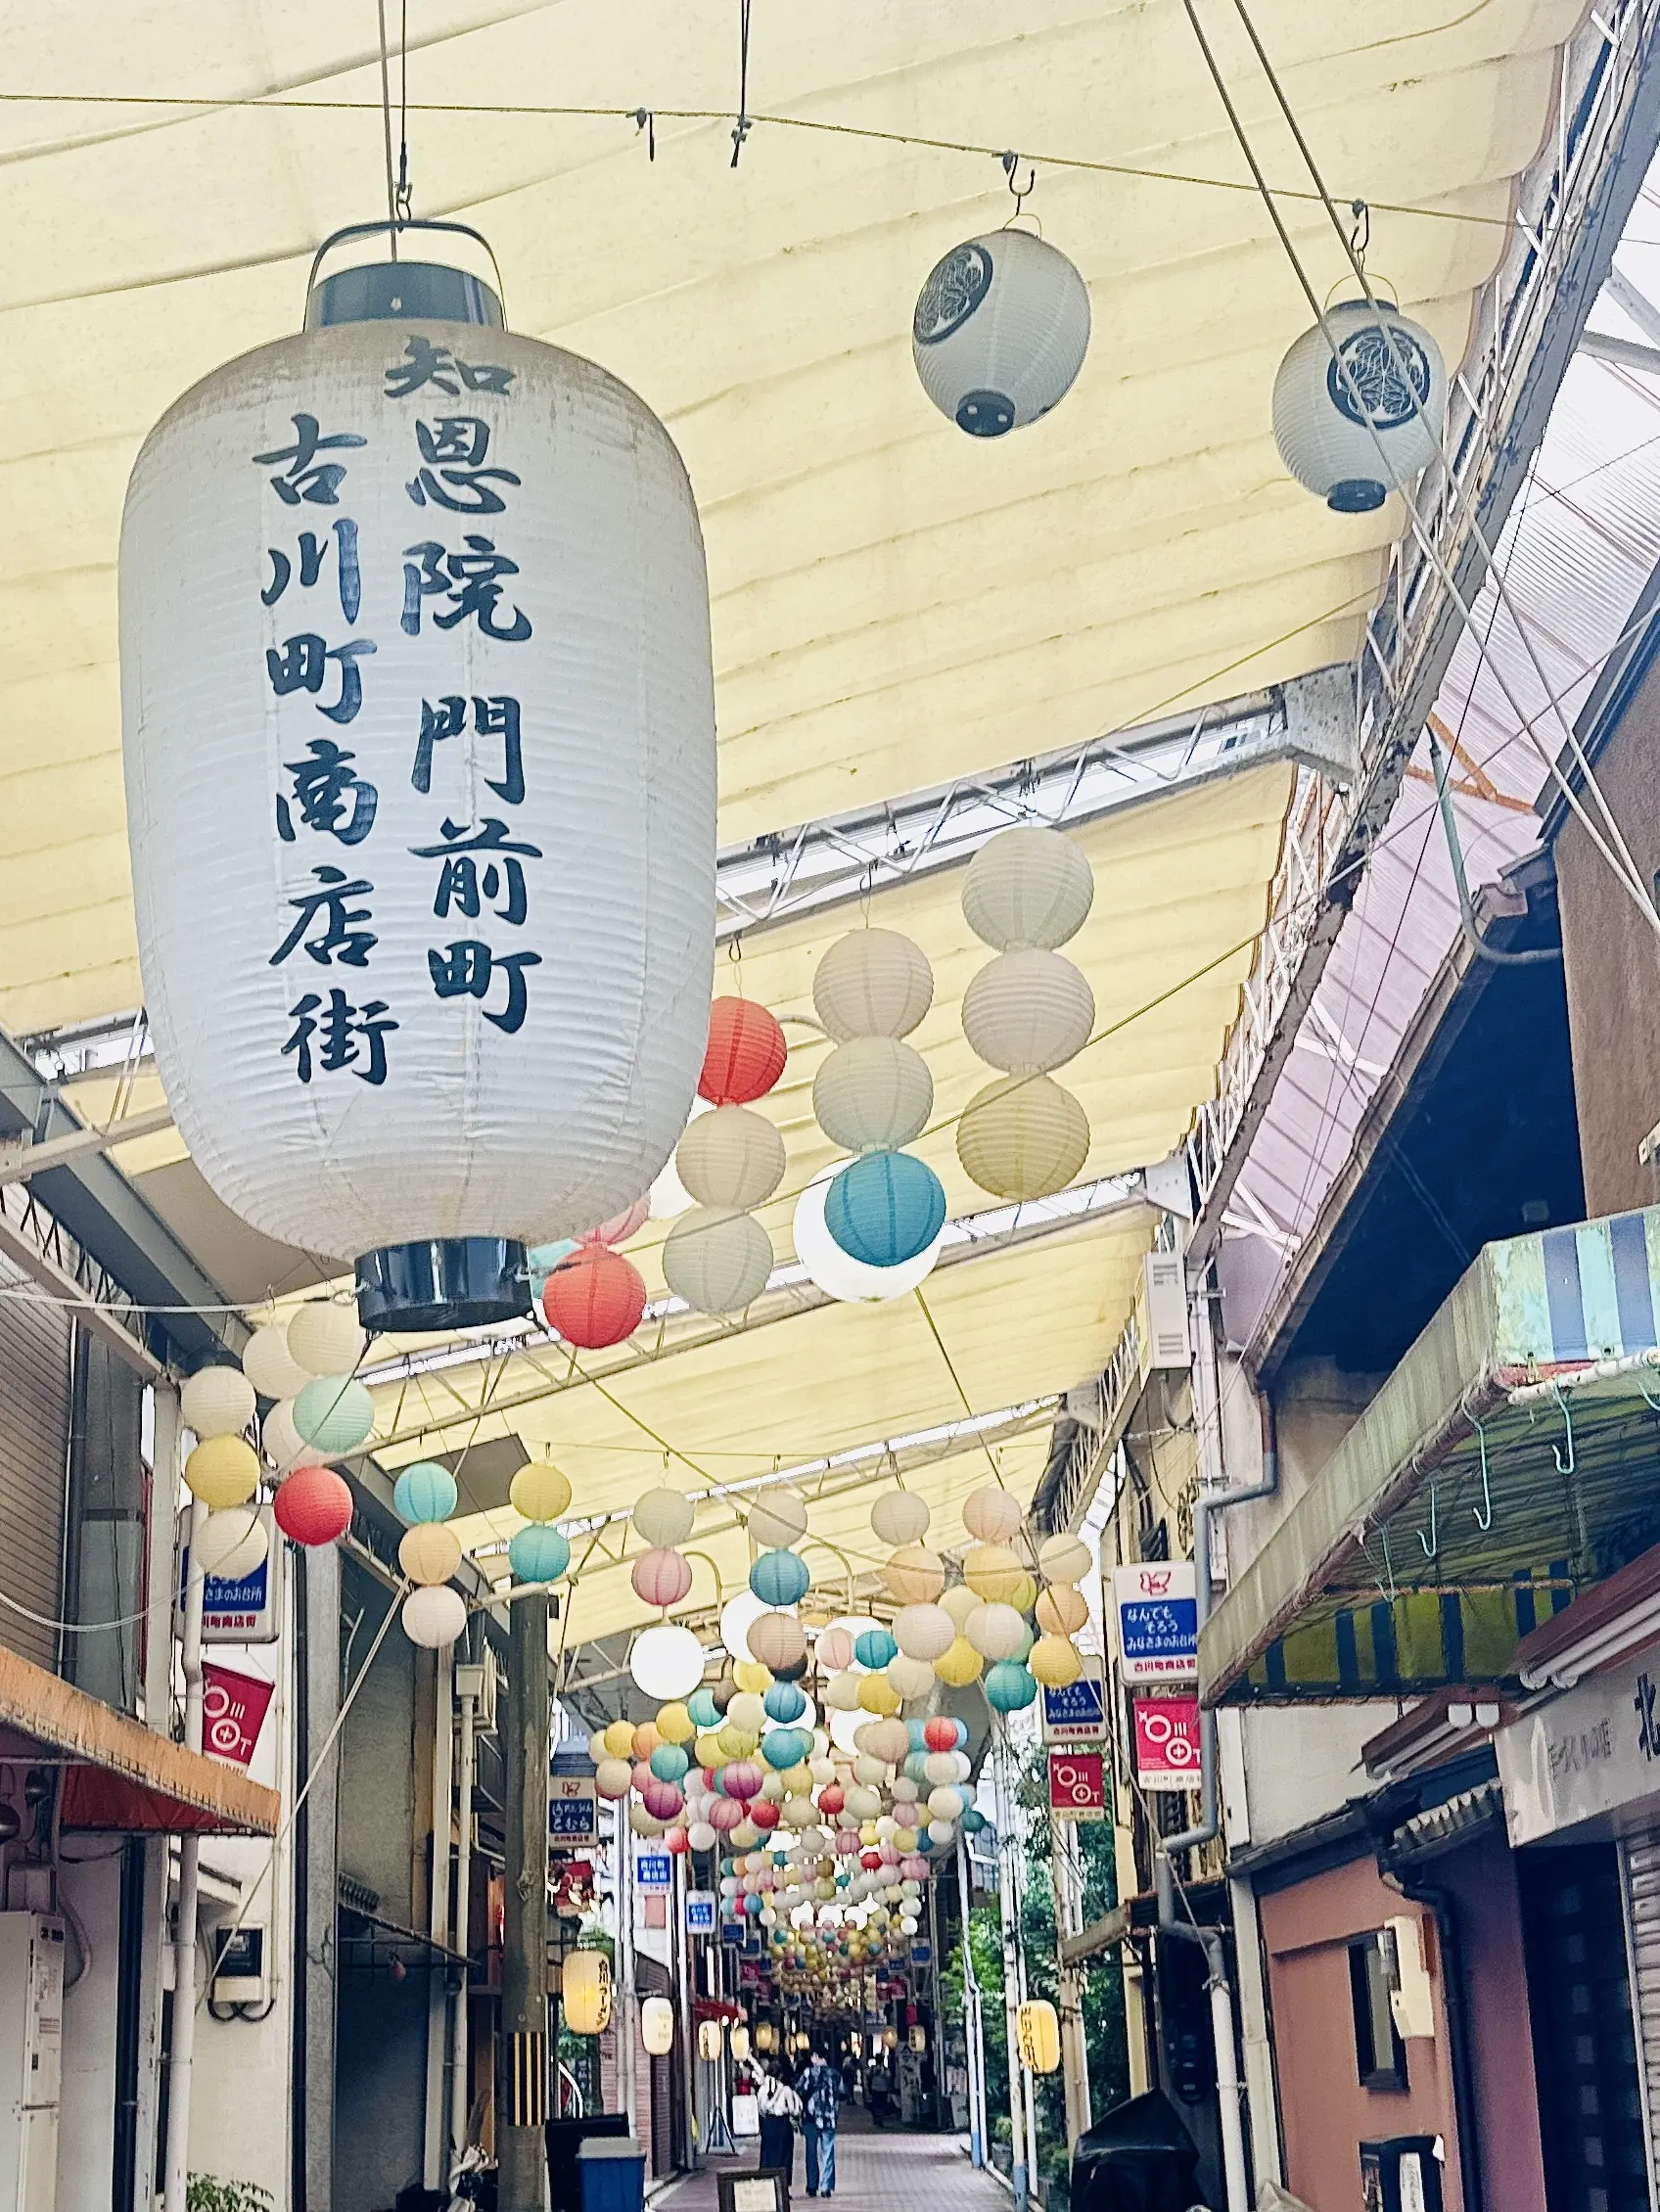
(974, 2042)
(180, 2058)
(1075, 2049)
(1008, 1905)
(523, 2070)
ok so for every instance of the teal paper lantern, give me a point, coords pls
(668, 1763)
(424, 1492)
(538, 1554)
(703, 1709)
(883, 1209)
(974, 1822)
(1010, 1686)
(784, 1748)
(916, 1767)
(333, 1415)
(918, 1736)
(780, 1578)
(874, 1648)
(785, 1702)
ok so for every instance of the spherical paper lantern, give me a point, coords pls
(541, 1553)
(884, 1209)
(834, 1650)
(270, 1367)
(716, 1259)
(232, 1544)
(832, 1269)
(613, 1778)
(1054, 1662)
(899, 1516)
(662, 1516)
(1063, 1559)
(675, 1723)
(325, 1339)
(1028, 1011)
(217, 1402)
(1022, 1136)
(778, 1517)
(1038, 2035)
(745, 1054)
(784, 1701)
(1027, 886)
(733, 1157)
(335, 1413)
(923, 1631)
(874, 1648)
(890, 1740)
(222, 1470)
(620, 1227)
(538, 1492)
(915, 1575)
(282, 1443)
(992, 1514)
(701, 1835)
(780, 1578)
(877, 1695)
(1061, 1609)
(595, 1298)
(1009, 1687)
(872, 983)
(996, 1630)
(584, 1993)
(939, 1733)
(313, 1506)
(661, 1576)
(424, 1492)
(993, 1572)
(910, 1679)
(432, 1617)
(666, 1662)
(958, 1667)
(873, 1093)
(1350, 425)
(430, 1551)
(656, 2026)
(999, 332)
(959, 1602)
(779, 1642)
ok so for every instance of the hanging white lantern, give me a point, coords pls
(923, 1631)
(433, 1615)
(1351, 425)
(872, 983)
(270, 1367)
(778, 1517)
(873, 1093)
(233, 1544)
(1022, 1136)
(832, 1269)
(992, 1514)
(325, 1339)
(899, 1516)
(910, 1677)
(217, 1402)
(996, 1630)
(999, 332)
(1028, 1011)
(1029, 886)
(731, 1157)
(282, 1443)
(1064, 1558)
(716, 1259)
(666, 1662)
(663, 1516)
(418, 726)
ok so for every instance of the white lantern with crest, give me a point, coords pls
(999, 332)
(418, 722)
(1360, 410)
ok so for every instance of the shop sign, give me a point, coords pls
(1078, 1785)
(573, 1809)
(248, 1611)
(233, 1712)
(1166, 1742)
(1592, 1750)
(653, 1871)
(1077, 1714)
(1158, 1621)
(700, 1913)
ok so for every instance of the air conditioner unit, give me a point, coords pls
(479, 1681)
(1162, 1310)
(31, 2029)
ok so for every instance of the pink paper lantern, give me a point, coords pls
(621, 1226)
(662, 1577)
(847, 1842)
(724, 1814)
(662, 1800)
(835, 1649)
(678, 1842)
(913, 1870)
(741, 1780)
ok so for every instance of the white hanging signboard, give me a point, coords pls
(1157, 1608)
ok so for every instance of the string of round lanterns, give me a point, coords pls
(718, 1257)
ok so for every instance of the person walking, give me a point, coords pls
(780, 2110)
(821, 2098)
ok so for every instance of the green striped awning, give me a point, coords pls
(1512, 1458)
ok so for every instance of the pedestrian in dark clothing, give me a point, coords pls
(821, 2103)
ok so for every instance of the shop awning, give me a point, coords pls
(1502, 1467)
(120, 1775)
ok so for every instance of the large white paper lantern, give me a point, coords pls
(1022, 1136)
(999, 332)
(666, 1662)
(731, 1157)
(1029, 884)
(873, 1093)
(1350, 424)
(716, 1259)
(418, 726)
(217, 1402)
(872, 983)
(1028, 1011)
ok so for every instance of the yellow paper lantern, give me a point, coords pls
(707, 1751)
(619, 1740)
(674, 1724)
(538, 1492)
(959, 1666)
(1062, 1610)
(993, 1573)
(585, 1989)
(1039, 2035)
(914, 1575)
(657, 2025)
(1063, 1559)
(877, 1695)
(222, 1470)
(750, 1675)
(1024, 1594)
(708, 2039)
(430, 1551)
(1053, 1660)
(1023, 1137)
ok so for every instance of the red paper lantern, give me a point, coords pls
(831, 1799)
(763, 1813)
(746, 1053)
(870, 1860)
(313, 1505)
(662, 1577)
(678, 1841)
(594, 1297)
(938, 1734)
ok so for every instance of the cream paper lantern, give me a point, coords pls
(958, 1602)
(1062, 1610)
(873, 1093)
(992, 1514)
(656, 2026)
(429, 1551)
(996, 1630)
(232, 1544)
(270, 1367)
(910, 1677)
(922, 1631)
(899, 1516)
(1023, 1137)
(664, 1517)
(457, 575)
(732, 1157)
(914, 1575)
(1028, 1011)
(282, 1443)
(716, 1259)
(1064, 1558)
(872, 983)
(999, 332)
(325, 1339)
(217, 1402)
(1027, 886)
(778, 1517)
(433, 1615)
(1351, 425)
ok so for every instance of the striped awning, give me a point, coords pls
(1504, 1466)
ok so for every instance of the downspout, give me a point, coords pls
(181, 2056)
(1478, 945)
(1444, 1912)
(1171, 1922)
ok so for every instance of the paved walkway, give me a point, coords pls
(890, 2169)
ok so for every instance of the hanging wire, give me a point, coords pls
(741, 129)
(386, 126)
(405, 203)
(1018, 193)
(646, 121)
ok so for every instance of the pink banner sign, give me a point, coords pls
(233, 1712)
(1166, 1742)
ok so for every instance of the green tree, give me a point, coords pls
(204, 2192)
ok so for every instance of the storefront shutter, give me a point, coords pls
(34, 1447)
(1639, 1860)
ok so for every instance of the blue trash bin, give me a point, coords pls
(612, 2174)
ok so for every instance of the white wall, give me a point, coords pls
(89, 1894)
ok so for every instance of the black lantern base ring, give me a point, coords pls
(462, 1282)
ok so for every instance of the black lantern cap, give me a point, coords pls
(457, 1282)
(398, 290)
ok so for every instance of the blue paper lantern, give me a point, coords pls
(962, 1735)
(784, 1748)
(1010, 1686)
(668, 1763)
(883, 1209)
(785, 1702)
(538, 1554)
(780, 1578)
(973, 1822)
(424, 1492)
(918, 1735)
(874, 1648)
(705, 1713)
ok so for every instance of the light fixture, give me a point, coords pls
(656, 2026)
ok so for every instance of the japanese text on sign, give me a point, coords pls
(1078, 1785)
(1158, 1621)
(1166, 1742)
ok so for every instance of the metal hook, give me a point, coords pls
(1361, 237)
(1648, 1397)
(1483, 1521)
(1011, 163)
(646, 121)
(1563, 1466)
(1388, 1563)
(1432, 1542)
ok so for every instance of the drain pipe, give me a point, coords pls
(1171, 1920)
(1443, 1912)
